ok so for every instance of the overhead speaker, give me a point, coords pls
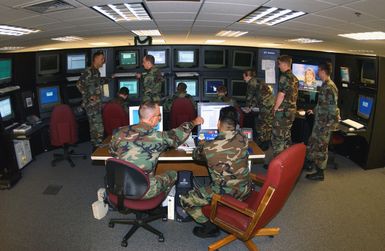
(145, 40)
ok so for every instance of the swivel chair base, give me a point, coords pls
(66, 156)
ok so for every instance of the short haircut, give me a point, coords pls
(285, 59)
(150, 58)
(222, 89)
(250, 73)
(326, 67)
(124, 90)
(97, 53)
(228, 117)
(147, 109)
(181, 86)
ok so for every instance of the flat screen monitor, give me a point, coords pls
(73, 94)
(368, 72)
(210, 113)
(5, 70)
(307, 75)
(49, 96)
(345, 77)
(191, 84)
(239, 88)
(214, 58)
(133, 112)
(6, 111)
(243, 59)
(185, 58)
(211, 85)
(48, 64)
(159, 56)
(76, 62)
(365, 105)
(131, 84)
(128, 59)
(307, 99)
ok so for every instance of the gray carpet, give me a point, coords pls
(346, 211)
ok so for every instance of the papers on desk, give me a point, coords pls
(187, 146)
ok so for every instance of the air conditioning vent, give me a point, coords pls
(47, 6)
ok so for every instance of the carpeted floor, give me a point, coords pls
(345, 212)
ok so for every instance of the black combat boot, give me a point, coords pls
(208, 230)
(308, 165)
(317, 175)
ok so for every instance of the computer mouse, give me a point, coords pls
(351, 129)
(302, 113)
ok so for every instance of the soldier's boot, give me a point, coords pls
(207, 230)
(308, 165)
(318, 175)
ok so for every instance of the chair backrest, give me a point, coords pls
(182, 110)
(114, 117)
(282, 175)
(63, 126)
(125, 178)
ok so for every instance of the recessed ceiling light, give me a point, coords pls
(67, 38)
(147, 32)
(214, 41)
(15, 31)
(124, 12)
(230, 33)
(303, 40)
(11, 48)
(99, 44)
(375, 35)
(271, 15)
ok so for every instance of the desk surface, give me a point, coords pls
(173, 154)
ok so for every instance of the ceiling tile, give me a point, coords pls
(308, 6)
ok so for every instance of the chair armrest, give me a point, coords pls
(233, 202)
(258, 178)
(229, 202)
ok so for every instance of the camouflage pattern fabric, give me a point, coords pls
(226, 159)
(152, 82)
(226, 99)
(326, 120)
(168, 102)
(283, 119)
(90, 87)
(141, 145)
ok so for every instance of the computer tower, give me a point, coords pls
(183, 185)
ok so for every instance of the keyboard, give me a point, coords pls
(352, 123)
(125, 74)
(72, 79)
(9, 89)
(186, 74)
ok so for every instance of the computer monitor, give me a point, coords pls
(238, 88)
(345, 77)
(48, 64)
(210, 113)
(368, 72)
(160, 57)
(185, 58)
(192, 85)
(132, 85)
(365, 104)
(76, 62)
(133, 112)
(307, 75)
(6, 110)
(307, 99)
(211, 85)
(128, 59)
(243, 59)
(5, 70)
(73, 94)
(49, 96)
(214, 58)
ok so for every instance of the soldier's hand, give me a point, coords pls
(246, 109)
(198, 121)
(309, 112)
(138, 75)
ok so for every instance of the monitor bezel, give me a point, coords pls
(243, 67)
(367, 81)
(232, 88)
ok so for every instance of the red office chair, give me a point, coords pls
(182, 110)
(246, 219)
(114, 117)
(63, 133)
(241, 116)
(126, 184)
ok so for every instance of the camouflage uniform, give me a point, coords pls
(284, 117)
(89, 85)
(141, 145)
(152, 82)
(227, 99)
(261, 95)
(226, 158)
(168, 102)
(326, 120)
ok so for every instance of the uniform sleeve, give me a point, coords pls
(199, 153)
(266, 97)
(81, 83)
(284, 84)
(251, 89)
(177, 136)
(114, 144)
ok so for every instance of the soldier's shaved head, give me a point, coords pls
(147, 109)
(228, 118)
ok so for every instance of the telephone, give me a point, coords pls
(33, 119)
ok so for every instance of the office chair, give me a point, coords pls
(114, 117)
(126, 184)
(246, 219)
(182, 110)
(63, 133)
(335, 139)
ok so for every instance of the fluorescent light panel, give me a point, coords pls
(124, 12)
(67, 38)
(230, 33)
(271, 15)
(375, 35)
(147, 32)
(303, 40)
(11, 48)
(15, 31)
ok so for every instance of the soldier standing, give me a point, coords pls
(141, 145)
(285, 106)
(226, 158)
(151, 80)
(260, 95)
(326, 120)
(180, 93)
(223, 97)
(90, 87)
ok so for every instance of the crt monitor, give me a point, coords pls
(133, 112)
(6, 111)
(159, 56)
(239, 88)
(5, 70)
(243, 59)
(131, 84)
(214, 58)
(76, 62)
(368, 72)
(210, 113)
(128, 59)
(185, 58)
(307, 75)
(191, 84)
(49, 96)
(211, 85)
(48, 64)
(365, 106)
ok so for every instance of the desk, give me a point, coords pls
(176, 160)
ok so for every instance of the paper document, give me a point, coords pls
(187, 146)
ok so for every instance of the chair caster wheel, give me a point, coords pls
(164, 218)
(161, 238)
(111, 225)
(124, 244)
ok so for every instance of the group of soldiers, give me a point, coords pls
(226, 156)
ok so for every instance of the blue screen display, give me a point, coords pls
(365, 106)
(134, 117)
(49, 95)
(211, 85)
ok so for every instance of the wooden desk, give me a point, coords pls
(176, 160)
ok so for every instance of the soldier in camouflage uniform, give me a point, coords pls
(180, 93)
(141, 145)
(285, 106)
(151, 80)
(90, 86)
(260, 95)
(226, 159)
(222, 96)
(122, 98)
(326, 120)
